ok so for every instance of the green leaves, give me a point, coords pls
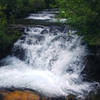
(84, 15)
(11, 9)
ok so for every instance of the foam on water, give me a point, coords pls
(46, 16)
(41, 16)
(49, 62)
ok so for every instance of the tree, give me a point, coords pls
(84, 15)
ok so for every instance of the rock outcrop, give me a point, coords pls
(28, 95)
(20, 95)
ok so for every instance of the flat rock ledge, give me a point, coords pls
(26, 95)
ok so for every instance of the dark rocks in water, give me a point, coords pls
(63, 38)
(63, 28)
(38, 39)
(23, 37)
(69, 38)
(71, 97)
(92, 69)
(44, 32)
(27, 29)
(59, 98)
(29, 42)
(93, 96)
(19, 52)
(54, 30)
(41, 26)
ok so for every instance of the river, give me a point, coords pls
(47, 59)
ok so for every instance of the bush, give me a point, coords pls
(9, 10)
(84, 15)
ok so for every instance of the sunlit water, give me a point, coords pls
(46, 60)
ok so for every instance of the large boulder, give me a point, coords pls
(19, 95)
(28, 95)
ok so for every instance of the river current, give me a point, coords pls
(47, 59)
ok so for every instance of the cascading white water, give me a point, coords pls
(46, 16)
(48, 61)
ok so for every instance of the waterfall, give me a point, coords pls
(47, 60)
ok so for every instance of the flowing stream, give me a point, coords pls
(46, 59)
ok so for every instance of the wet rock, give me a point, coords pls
(19, 95)
(3, 94)
(54, 31)
(39, 37)
(44, 32)
(62, 38)
(94, 95)
(71, 97)
(29, 42)
(23, 37)
(61, 28)
(59, 98)
(92, 69)
(27, 29)
(19, 52)
(28, 95)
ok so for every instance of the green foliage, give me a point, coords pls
(6, 39)
(84, 15)
(50, 3)
(19, 8)
(9, 10)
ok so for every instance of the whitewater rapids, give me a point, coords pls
(46, 60)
